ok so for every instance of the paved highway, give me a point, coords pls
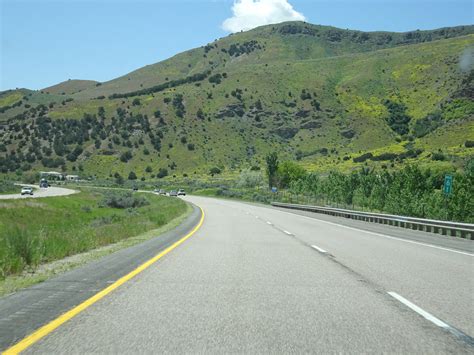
(51, 191)
(255, 279)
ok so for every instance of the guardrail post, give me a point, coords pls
(463, 230)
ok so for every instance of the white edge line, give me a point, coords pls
(418, 310)
(289, 233)
(380, 235)
(270, 223)
(319, 249)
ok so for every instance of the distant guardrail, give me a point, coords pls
(455, 229)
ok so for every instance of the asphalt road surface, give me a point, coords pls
(256, 279)
(40, 192)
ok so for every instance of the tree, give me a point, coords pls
(136, 102)
(215, 170)
(272, 168)
(118, 179)
(132, 176)
(162, 173)
(288, 172)
(126, 156)
(101, 112)
(200, 114)
(148, 169)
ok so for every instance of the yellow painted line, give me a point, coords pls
(48, 328)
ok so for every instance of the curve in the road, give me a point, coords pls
(257, 280)
(52, 191)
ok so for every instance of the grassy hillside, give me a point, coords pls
(70, 87)
(332, 99)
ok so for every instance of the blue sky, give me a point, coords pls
(44, 42)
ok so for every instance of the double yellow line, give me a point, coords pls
(51, 326)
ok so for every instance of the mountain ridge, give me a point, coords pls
(320, 95)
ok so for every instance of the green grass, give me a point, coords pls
(71, 87)
(14, 283)
(7, 188)
(10, 99)
(41, 231)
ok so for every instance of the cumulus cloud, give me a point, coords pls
(249, 14)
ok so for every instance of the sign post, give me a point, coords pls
(448, 185)
(447, 189)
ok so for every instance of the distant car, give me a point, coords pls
(181, 192)
(26, 191)
(44, 184)
(162, 192)
(135, 188)
(156, 191)
(173, 193)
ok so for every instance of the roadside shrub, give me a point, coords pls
(7, 186)
(123, 200)
(250, 179)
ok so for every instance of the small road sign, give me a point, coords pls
(448, 184)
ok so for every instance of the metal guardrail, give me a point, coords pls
(454, 229)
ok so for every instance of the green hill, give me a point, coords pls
(71, 86)
(332, 99)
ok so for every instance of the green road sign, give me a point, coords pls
(448, 184)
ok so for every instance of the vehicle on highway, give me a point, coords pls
(173, 193)
(135, 188)
(44, 184)
(26, 191)
(162, 192)
(156, 191)
(181, 192)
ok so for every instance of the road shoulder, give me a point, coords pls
(35, 306)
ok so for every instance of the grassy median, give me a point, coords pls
(33, 232)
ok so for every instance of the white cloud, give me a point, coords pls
(249, 14)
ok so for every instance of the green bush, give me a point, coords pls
(250, 179)
(123, 200)
(438, 157)
(7, 186)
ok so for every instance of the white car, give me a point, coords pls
(26, 191)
